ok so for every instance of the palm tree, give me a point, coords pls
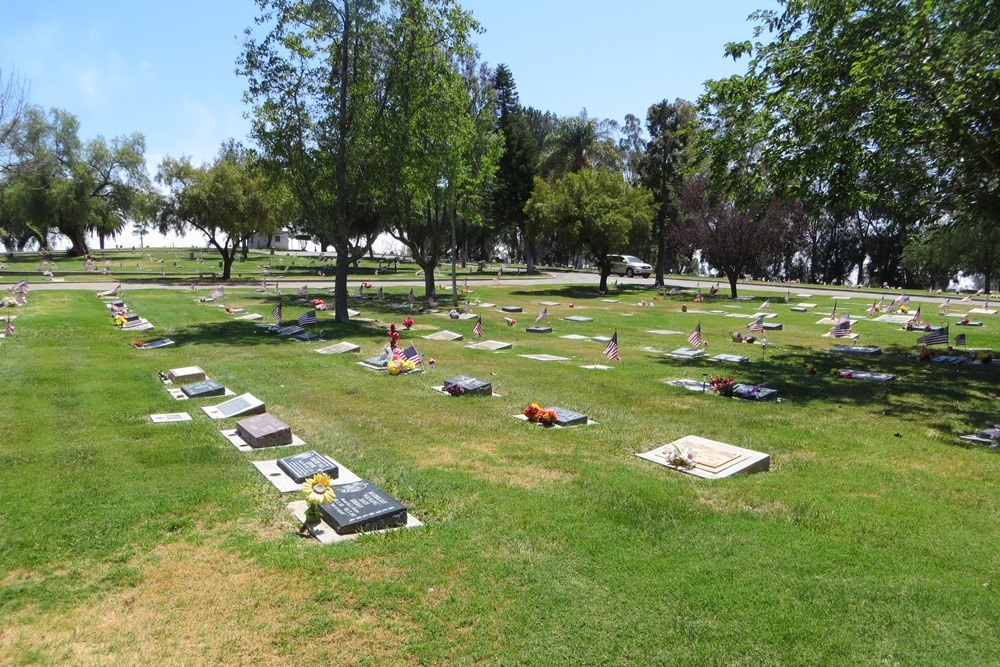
(580, 142)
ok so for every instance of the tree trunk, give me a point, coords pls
(733, 277)
(661, 253)
(100, 239)
(340, 284)
(79, 242)
(227, 263)
(603, 286)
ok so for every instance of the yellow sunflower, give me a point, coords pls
(317, 489)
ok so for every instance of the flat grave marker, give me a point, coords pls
(598, 367)
(244, 404)
(893, 319)
(250, 317)
(664, 332)
(470, 386)
(548, 303)
(967, 324)
(840, 298)
(339, 348)
(578, 318)
(264, 430)
(751, 392)
(186, 374)
(687, 353)
(575, 337)
(852, 336)
(948, 359)
(805, 305)
(855, 349)
(444, 335)
(203, 389)
(610, 300)
(300, 467)
(713, 459)
(983, 311)
(485, 305)
(138, 325)
(690, 385)
(362, 506)
(772, 326)
(601, 339)
(157, 344)
(291, 330)
(284, 483)
(866, 375)
(538, 330)
(491, 345)
(512, 309)
(170, 417)
(798, 309)
(731, 358)
(543, 357)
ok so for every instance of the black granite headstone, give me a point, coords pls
(470, 385)
(772, 326)
(289, 331)
(362, 506)
(131, 317)
(305, 337)
(301, 467)
(163, 342)
(539, 329)
(203, 389)
(566, 417)
(512, 309)
(749, 392)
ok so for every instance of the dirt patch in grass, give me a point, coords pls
(482, 460)
(201, 605)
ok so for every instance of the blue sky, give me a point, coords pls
(166, 70)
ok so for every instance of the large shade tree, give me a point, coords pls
(593, 210)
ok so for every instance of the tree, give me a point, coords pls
(845, 98)
(668, 156)
(580, 142)
(736, 236)
(518, 166)
(594, 210)
(229, 201)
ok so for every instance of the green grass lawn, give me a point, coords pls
(871, 541)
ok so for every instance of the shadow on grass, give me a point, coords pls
(248, 334)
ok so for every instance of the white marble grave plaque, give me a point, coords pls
(250, 317)
(339, 348)
(752, 392)
(186, 374)
(543, 357)
(444, 335)
(851, 336)
(983, 311)
(244, 404)
(575, 337)
(664, 332)
(548, 303)
(894, 319)
(601, 339)
(687, 353)
(731, 358)
(690, 385)
(713, 460)
(490, 345)
(598, 367)
(170, 417)
(866, 375)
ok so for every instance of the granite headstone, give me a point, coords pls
(362, 506)
(301, 467)
(264, 430)
(203, 389)
(469, 385)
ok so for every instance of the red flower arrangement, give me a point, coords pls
(408, 322)
(538, 415)
(722, 386)
(393, 336)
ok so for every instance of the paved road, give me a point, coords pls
(561, 278)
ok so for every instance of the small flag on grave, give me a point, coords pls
(694, 339)
(304, 289)
(431, 302)
(842, 328)
(468, 308)
(935, 337)
(276, 313)
(916, 317)
(542, 315)
(9, 329)
(218, 292)
(380, 293)
(611, 351)
(757, 326)
(766, 305)
(409, 297)
(478, 329)
(412, 354)
(308, 317)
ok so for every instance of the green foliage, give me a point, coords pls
(594, 210)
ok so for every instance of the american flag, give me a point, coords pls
(409, 297)
(308, 317)
(193, 287)
(611, 351)
(945, 305)
(873, 309)
(9, 329)
(967, 299)
(412, 354)
(542, 315)
(107, 271)
(842, 328)
(714, 289)
(18, 287)
(903, 299)
(218, 293)
(468, 308)
(935, 337)
(431, 302)
(833, 313)
(788, 295)
(361, 289)
(960, 339)
(916, 317)
(478, 329)
(47, 272)
(698, 298)
(20, 298)
(766, 305)
(675, 291)
(304, 289)
(757, 325)
(380, 293)
(695, 338)
(981, 291)
(276, 313)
